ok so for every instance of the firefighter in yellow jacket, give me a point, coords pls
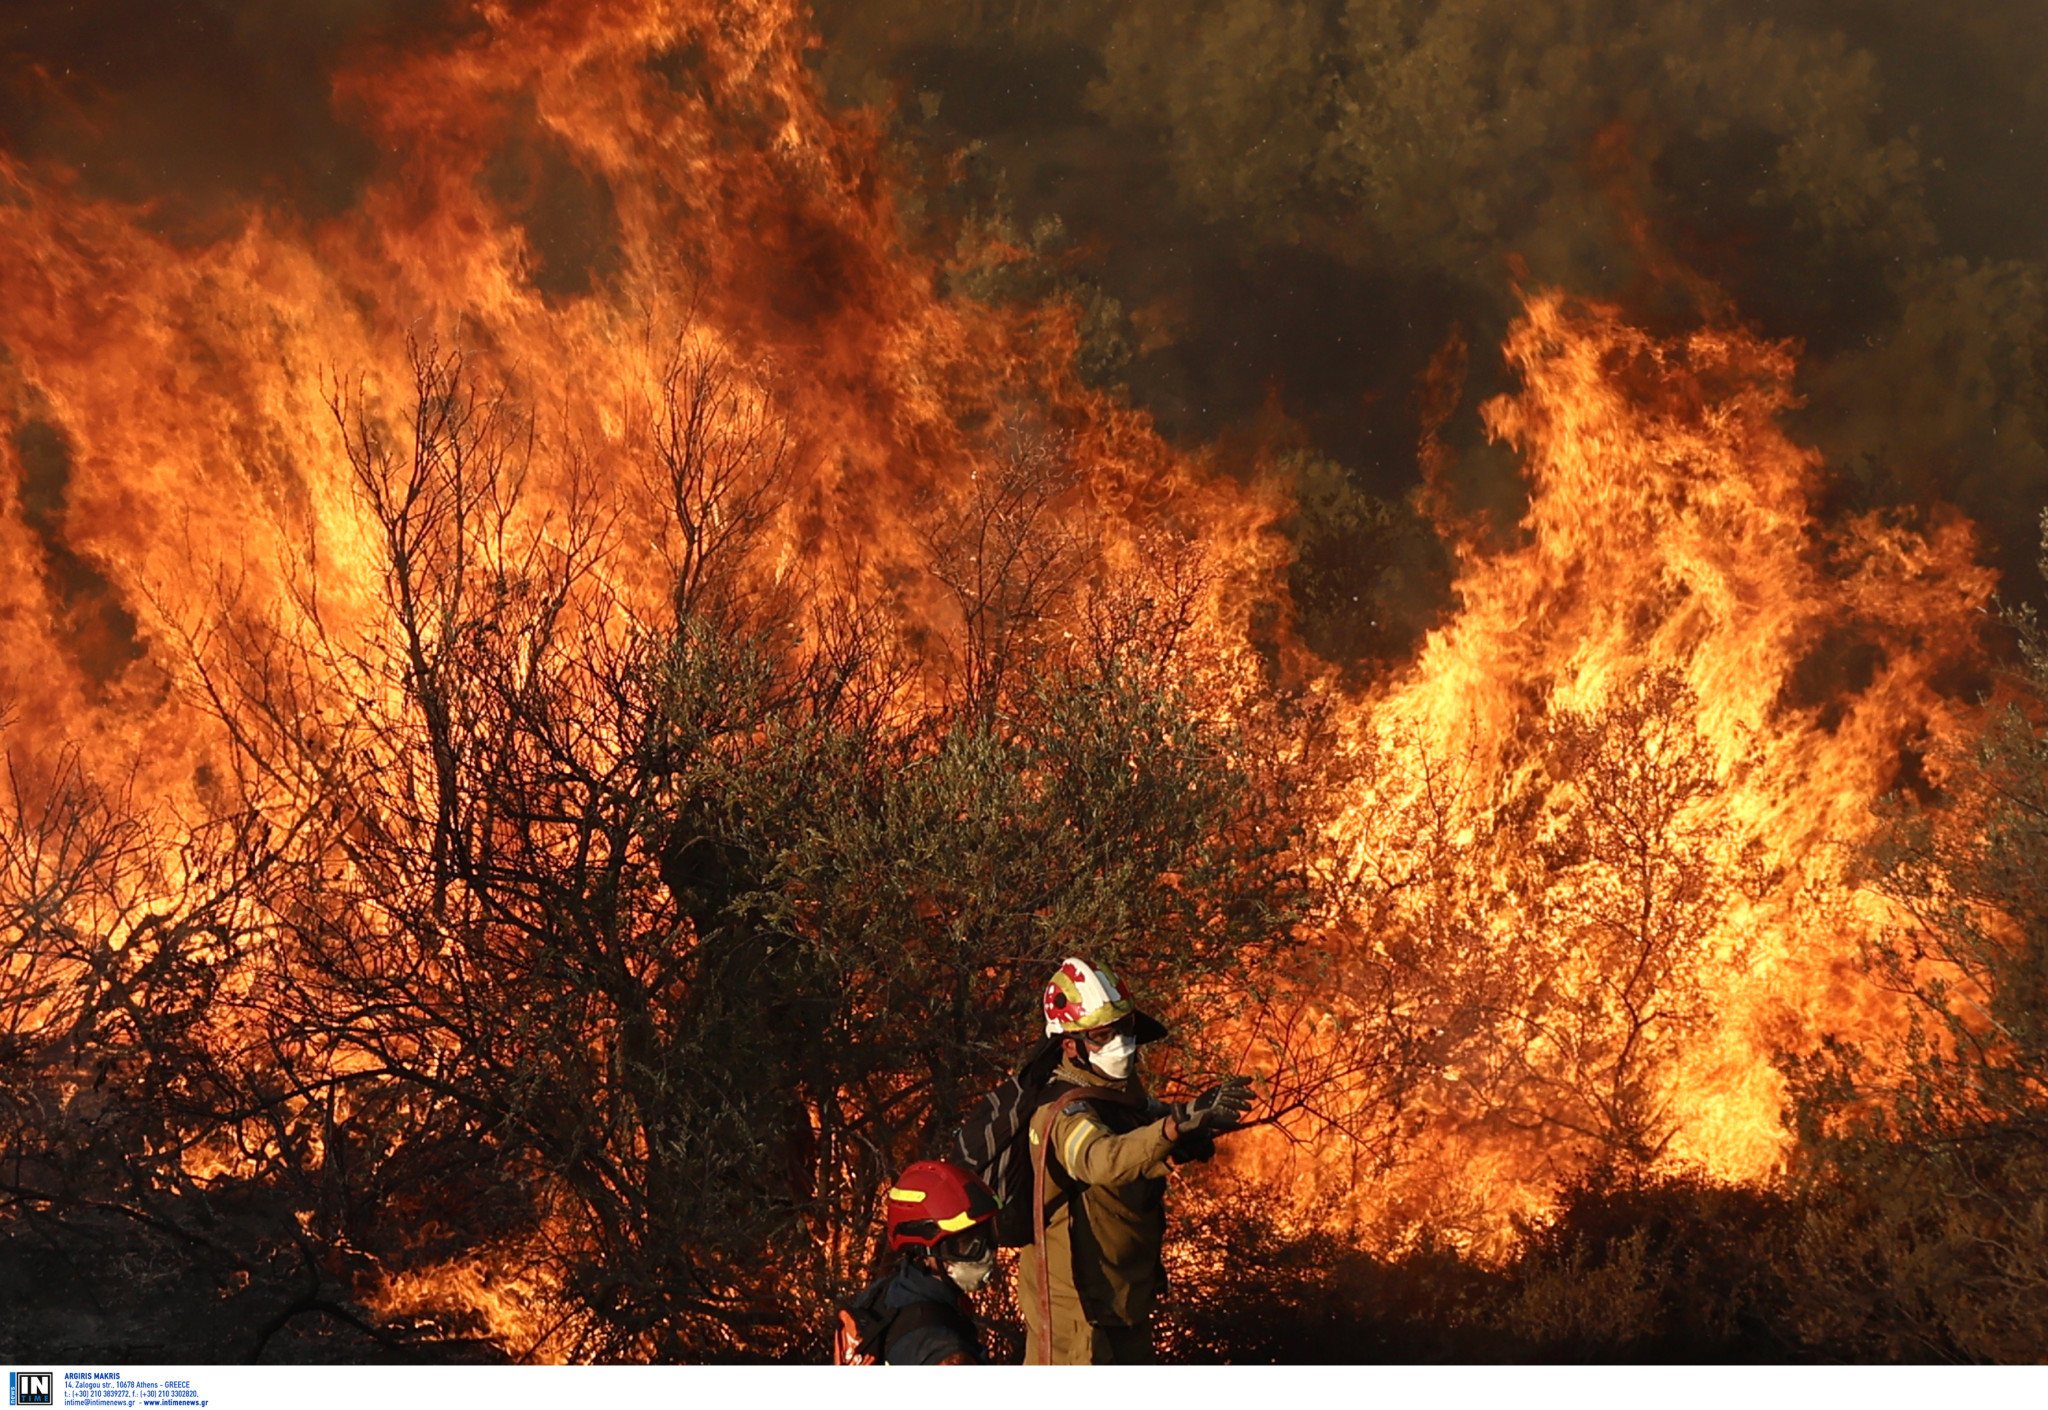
(1100, 1154)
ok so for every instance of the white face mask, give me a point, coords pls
(968, 1277)
(1113, 1059)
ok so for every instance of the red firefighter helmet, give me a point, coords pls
(933, 1200)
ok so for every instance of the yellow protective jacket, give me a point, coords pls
(1105, 1226)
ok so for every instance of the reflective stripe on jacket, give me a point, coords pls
(1105, 1214)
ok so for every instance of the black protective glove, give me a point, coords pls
(1218, 1109)
(1192, 1146)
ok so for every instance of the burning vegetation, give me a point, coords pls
(569, 667)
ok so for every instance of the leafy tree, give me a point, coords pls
(1931, 1150)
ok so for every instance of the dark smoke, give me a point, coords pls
(199, 106)
(1302, 202)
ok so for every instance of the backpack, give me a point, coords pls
(862, 1333)
(867, 1325)
(994, 1142)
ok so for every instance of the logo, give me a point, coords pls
(28, 1388)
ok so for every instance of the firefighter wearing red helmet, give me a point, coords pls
(1088, 1281)
(938, 1217)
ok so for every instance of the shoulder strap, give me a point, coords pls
(1052, 1096)
(1060, 1091)
(862, 1329)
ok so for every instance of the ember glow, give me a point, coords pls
(1586, 853)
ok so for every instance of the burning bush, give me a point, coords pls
(639, 952)
(1930, 1152)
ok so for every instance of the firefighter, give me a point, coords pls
(1100, 1166)
(940, 1219)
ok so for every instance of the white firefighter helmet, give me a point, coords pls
(1081, 996)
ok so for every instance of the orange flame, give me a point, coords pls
(1674, 630)
(1598, 831)
(170, 407)
(579, 200)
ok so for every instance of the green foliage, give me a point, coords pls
(1453, 129)
(1669, 1269)
(1296, 201)
(1368, 574)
